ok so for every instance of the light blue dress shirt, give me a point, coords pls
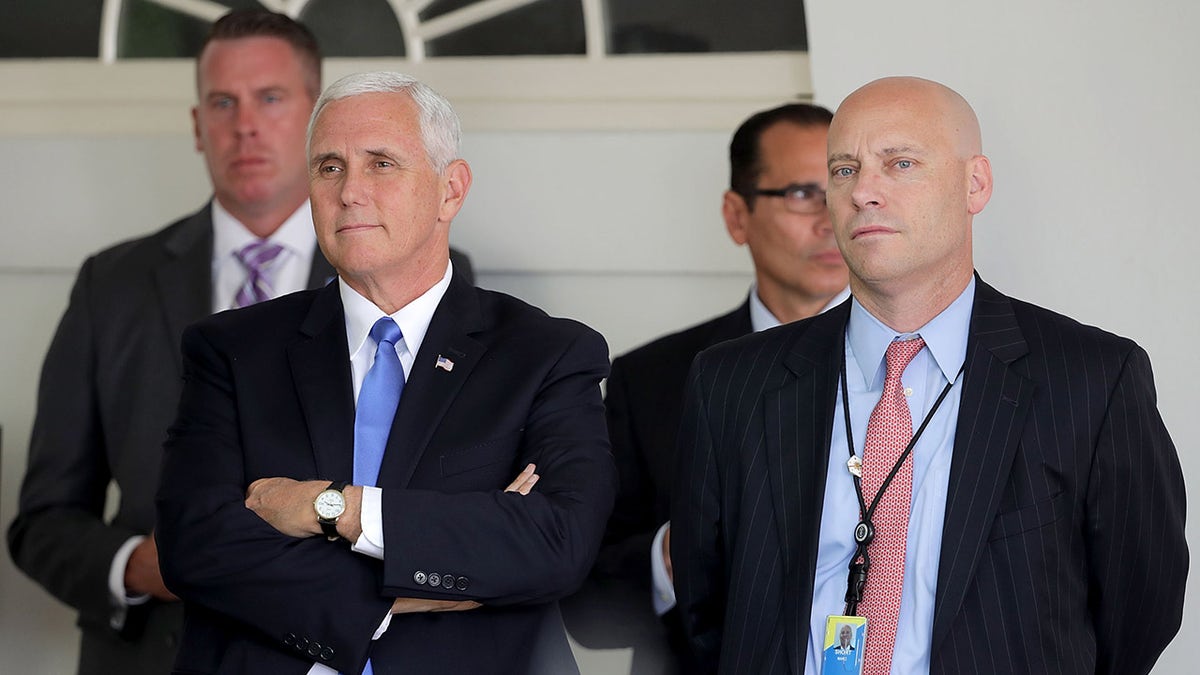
(945, 350)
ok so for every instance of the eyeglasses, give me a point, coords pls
(807, 198)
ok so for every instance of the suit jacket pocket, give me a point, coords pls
(1026, 518)
(496, 450)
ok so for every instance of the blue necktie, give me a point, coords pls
(377, 401)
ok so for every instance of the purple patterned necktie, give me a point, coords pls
(257, 257)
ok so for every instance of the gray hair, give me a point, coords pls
(440, 128)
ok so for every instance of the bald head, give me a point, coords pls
(904, 99)
(906, 178)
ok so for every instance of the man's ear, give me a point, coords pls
(456, 183)
(735, 212)
(979, 183)
(196, 128)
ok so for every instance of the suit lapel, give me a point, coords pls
(995, 401)
(797, 432)
(430, 389)
(321, 272)
(320, 364)
(184, 277)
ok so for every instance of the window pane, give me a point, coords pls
(50, 28)
(544, 27)
(354, 27)
(637, 26)
(149, 30)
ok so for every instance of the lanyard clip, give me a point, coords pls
(856, 583)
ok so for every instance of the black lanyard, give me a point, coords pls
(864, 532)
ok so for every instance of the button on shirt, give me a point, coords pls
(867, 340)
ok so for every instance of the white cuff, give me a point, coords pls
(116, 583)
(370, 542)
(664, 592)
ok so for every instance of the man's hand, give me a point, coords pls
(524, 481)
(666, 553)
(286, 504)
(413, 605)
(141, 572)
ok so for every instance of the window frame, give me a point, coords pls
(75, 97)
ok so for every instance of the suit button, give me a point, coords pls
(462, 583)
(314, 649)
(326, 654)
(419, 577)
(301, 644)
(435, 579)
(448, 582)
(289, 639)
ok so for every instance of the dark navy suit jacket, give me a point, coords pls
(267, 392)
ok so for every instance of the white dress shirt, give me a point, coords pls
(413, 320)
(289, 272)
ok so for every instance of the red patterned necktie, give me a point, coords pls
(888, 433)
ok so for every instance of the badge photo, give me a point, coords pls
(845, 639)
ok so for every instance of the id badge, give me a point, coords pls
(845, 640)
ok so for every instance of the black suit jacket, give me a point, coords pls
(268, 393)
(1063, 548)
(643, 407)
(108, 390)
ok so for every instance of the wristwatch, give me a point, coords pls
(330, 505)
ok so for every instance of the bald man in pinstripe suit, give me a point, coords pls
(1046, 521)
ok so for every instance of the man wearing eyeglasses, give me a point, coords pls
(775, 206)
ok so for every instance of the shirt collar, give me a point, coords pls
(945, 336)
(413, 318)
(761, 318)
(296, 234)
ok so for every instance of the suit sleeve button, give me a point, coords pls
(314, 649)
(462, 583)
(326, 653)
(448, 582)
(419, 577)
(289, 639)
(435, 579)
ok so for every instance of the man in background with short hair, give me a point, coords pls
(775, 206)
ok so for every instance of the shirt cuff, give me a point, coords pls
(370, 541)
(664, 592)
(116, 583)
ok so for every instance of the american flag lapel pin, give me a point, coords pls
(444, 363)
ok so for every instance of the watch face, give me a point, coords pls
(330, 504)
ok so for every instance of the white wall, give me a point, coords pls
(1087, 111)
(1089, 117)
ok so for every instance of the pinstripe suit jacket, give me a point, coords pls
(1063, 548)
